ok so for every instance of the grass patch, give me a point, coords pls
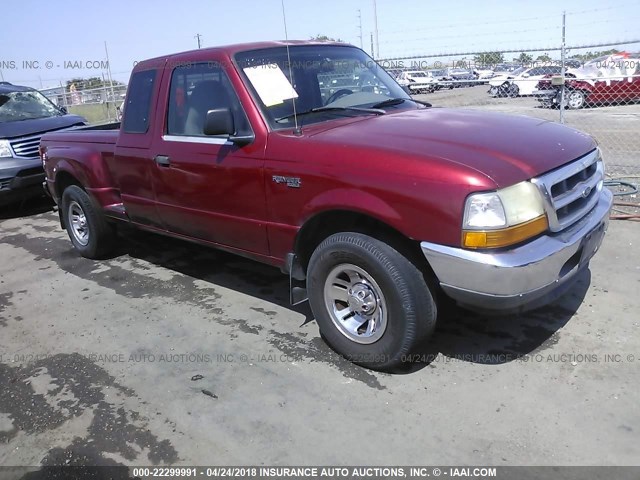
(95, 112)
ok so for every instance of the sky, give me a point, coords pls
(50, 42)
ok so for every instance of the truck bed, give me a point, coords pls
(98, 134)
(86, 154)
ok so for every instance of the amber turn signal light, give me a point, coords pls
(505, 236)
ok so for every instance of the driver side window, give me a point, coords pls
(195, 89)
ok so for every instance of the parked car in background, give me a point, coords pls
(483, 74)
(499, 83)
(394, 72)
(572, 63)
(330, 84)
(604, 80)
(441, 78)
(505, 68)
(25, 115)
(366, 82)
(461, 77)
(523, 81)
(417, 81)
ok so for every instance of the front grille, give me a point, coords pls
(570, 192)
(26, 146)
(4, 184)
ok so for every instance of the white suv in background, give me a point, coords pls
(523, 81)
(417, 81)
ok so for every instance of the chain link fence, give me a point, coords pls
(97, 105)
(597, 92)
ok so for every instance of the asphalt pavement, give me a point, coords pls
(171, 354)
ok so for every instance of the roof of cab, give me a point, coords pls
(232, 50)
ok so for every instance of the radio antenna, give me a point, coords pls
(293, 90)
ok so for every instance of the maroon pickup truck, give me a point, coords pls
(378, 207)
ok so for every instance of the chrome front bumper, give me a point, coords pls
(524, 277)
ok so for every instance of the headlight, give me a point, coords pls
(505, 217)
(484, 210)
(5, 149)
(601, 158)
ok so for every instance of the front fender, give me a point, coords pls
(354, 200)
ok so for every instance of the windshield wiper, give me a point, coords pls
(389, 102)
(397, 101)
(375, 111)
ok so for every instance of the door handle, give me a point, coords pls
(163, 160)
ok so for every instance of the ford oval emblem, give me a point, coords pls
(586, 192)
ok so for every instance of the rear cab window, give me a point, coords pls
(139, 99)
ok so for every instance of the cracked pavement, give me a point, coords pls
(169, 353)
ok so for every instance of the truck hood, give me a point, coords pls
(506, 148)
(24, 128)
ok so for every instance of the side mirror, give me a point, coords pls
(525, 75)
(63, 110)
(219, 122)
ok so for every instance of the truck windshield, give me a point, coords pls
(15, 106)
(318, 76)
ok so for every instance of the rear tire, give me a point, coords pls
(87, 227)
(371, 303)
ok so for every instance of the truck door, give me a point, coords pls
(205, 186)
(132, 163)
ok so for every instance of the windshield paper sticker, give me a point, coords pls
(270, 83)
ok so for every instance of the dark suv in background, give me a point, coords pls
(25, 115)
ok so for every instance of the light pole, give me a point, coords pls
(113, 95)
(375, 29)
(360, 26)
(373, 54)
(562, 69)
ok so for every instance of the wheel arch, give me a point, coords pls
(64, 179)
(328, 222)
(78, 164)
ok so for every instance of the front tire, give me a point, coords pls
(371, 303)
(86, 226)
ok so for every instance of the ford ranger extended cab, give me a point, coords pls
(377, 207)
